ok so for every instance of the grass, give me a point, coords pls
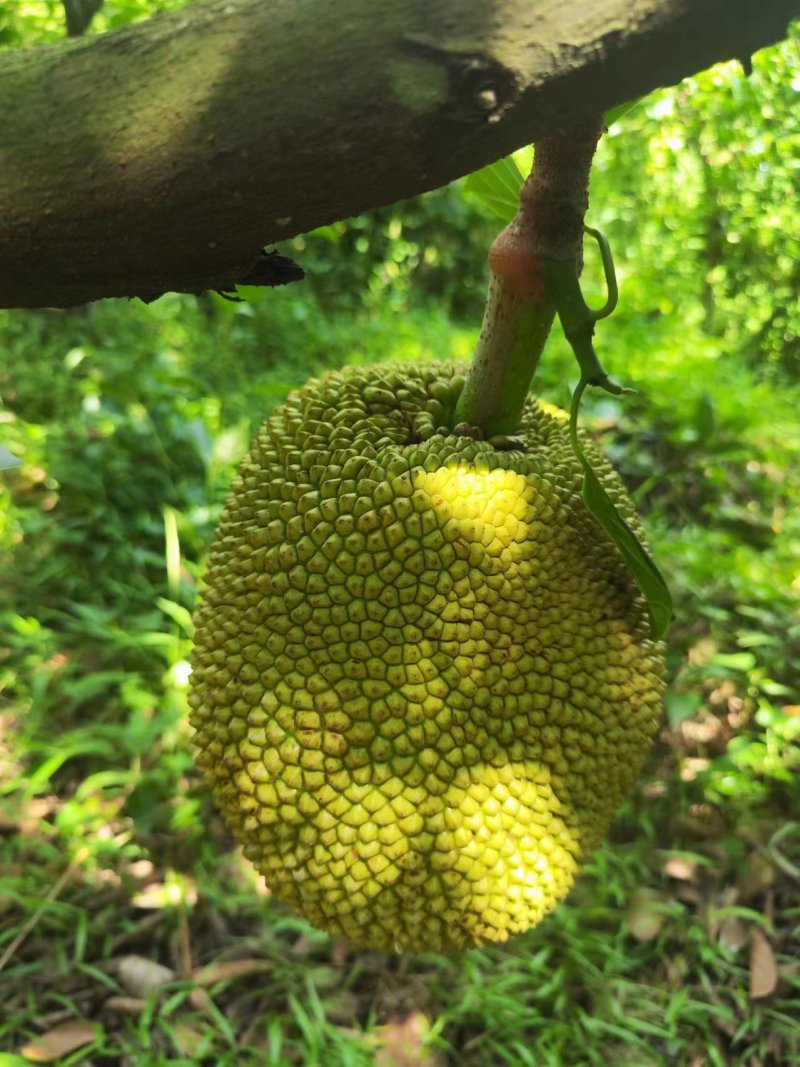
(125, 908)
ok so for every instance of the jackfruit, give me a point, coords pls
(423, 679)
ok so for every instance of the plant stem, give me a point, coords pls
(520, 306)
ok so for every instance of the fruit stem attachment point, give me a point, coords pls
(521, 302)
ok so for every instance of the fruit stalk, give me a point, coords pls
(520, 305)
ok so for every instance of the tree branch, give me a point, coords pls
(165, 155)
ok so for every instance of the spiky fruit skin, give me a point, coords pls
(423, 679)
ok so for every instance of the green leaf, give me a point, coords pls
(497, 186)
(180, 615)
(681, 706)
(645, 572)
(735, 661)
(616, 113)
(647, 575)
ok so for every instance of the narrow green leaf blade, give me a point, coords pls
(647, 575)
(497, 186)
(616, 113)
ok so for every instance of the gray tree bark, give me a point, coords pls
(165, 155)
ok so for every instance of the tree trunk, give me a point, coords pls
(165, 155)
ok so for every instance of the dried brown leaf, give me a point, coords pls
(60, 1041)
(763, 968)
(681, 868)
(125, 1005)
(189, 1040)
(732, 933)
(646, 914)
(756, 876)
(226, 970)
(676, 968)
(401, 1042)
(140, 976)
(200, 999)
(691, 766)
(142, 870)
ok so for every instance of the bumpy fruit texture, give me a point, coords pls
(423, 679)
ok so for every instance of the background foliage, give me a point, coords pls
(130, 929)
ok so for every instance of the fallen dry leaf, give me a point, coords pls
(200, 999)
(125, 1005)
(60, 1041)
(691, 766)
(190, 1040)
(676, 968)
(763, 968)
(140, 976)
(646, 914)
(732, 933)
(401, 1042)
(756, 876)
(681, 868)
(141, 870)
(228, 969)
